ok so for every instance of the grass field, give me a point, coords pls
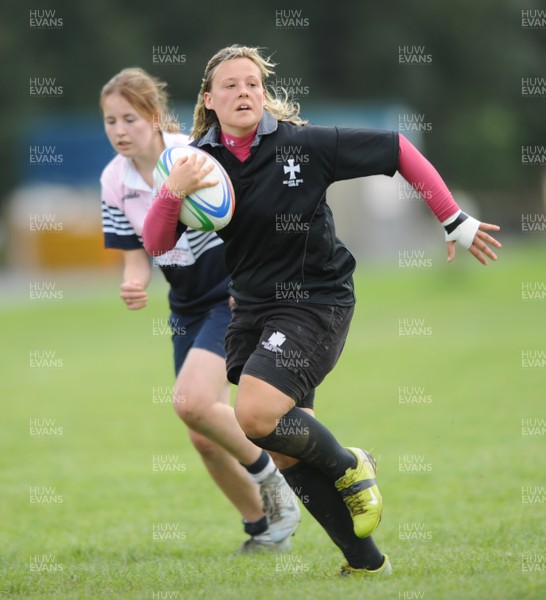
(455, 413)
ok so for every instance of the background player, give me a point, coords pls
(134, 107)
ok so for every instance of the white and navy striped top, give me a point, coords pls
(195, 268)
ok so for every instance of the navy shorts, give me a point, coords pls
(206, 331)
(290, 346)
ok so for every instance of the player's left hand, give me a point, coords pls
(133, 294)
(480, 247)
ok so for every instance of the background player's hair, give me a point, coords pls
(145, 93)
(282, 109)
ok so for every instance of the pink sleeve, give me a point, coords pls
(159, 233)
(417, 170)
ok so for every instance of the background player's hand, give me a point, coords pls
(480, 245)
(188, 174)
(133, 294)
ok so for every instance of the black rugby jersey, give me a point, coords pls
(281, 243)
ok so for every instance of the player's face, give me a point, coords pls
(127, 130)
(237, 96)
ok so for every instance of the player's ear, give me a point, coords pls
(207, 99)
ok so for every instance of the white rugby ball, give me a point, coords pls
(206, 209)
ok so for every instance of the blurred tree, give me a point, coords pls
(470, 92)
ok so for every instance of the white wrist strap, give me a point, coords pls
(461, 228)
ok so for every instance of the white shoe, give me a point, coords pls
(280, 507)
(261, 543)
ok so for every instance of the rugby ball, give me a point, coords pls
(206, 209)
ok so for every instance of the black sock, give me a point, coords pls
(256, 527)
(320, 497)
(259, 465)
(300, 435)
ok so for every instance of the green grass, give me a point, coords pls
(479, 538)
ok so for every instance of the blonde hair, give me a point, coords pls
(145, 93)
(283, 109)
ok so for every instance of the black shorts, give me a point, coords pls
(290, 346)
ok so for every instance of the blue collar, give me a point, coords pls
(267, 125)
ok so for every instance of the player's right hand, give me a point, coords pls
(133, 294)
(188, 174)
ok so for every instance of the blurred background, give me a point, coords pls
(464, 80)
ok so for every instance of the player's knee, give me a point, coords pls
(189, 407)
(253, 424)
(259, 406)
(180, 403)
